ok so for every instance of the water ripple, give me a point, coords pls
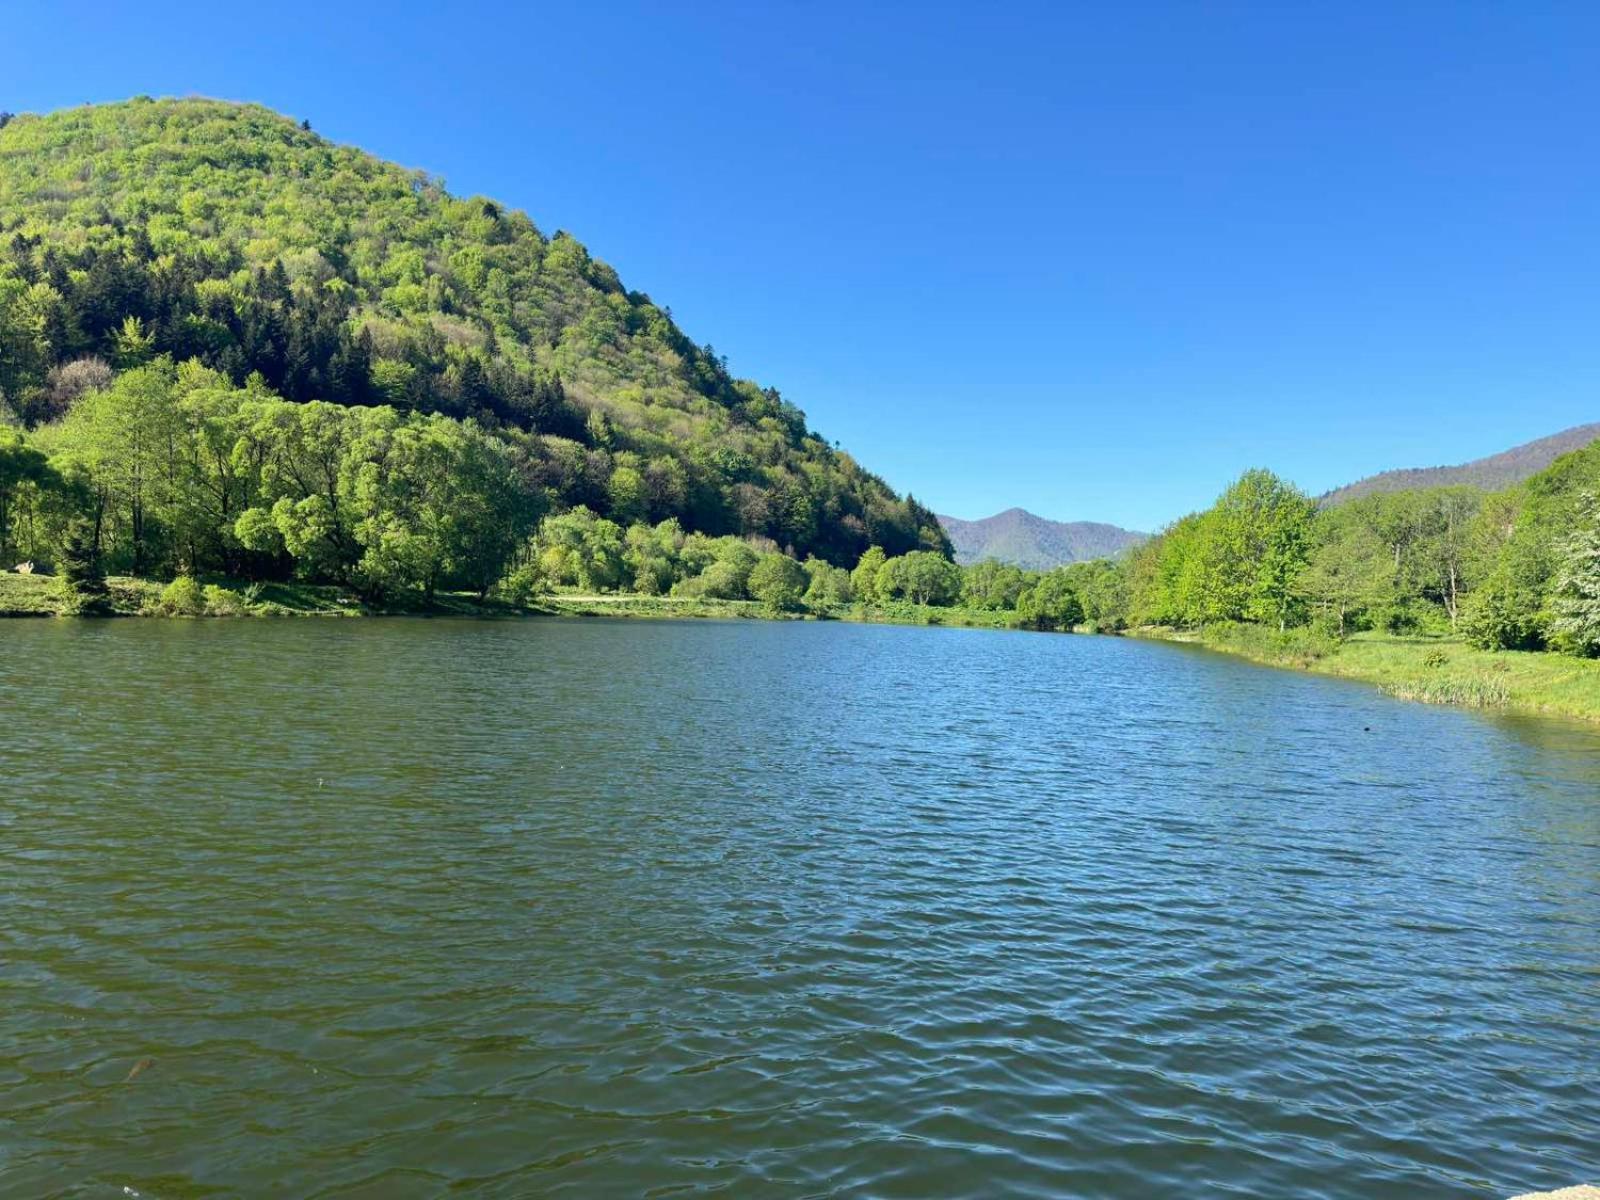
(591, 908)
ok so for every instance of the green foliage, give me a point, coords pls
(828, 587)
(1101, 586)
(227, 235)
(580, 549)
(921, 577)
(183, 597)
(221, 602)
(1051, 602)
(1242, 559)
(991, 586)
(27, 481)
(82, 572)
(522, 585)
(1576, 623)
(864, 578)
(778, 582)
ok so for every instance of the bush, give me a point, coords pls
(183, 597)
(719, 581)
(522, 585)
(1500, 616)
(220, 602)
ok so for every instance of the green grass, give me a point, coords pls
(39, 595)
(566, 604)
(29, 596)
(44, 596)
(926, 614)
(1434, 670)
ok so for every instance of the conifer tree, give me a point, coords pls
(81, 569)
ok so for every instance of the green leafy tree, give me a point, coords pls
(128, 439)
(1576, 622)
(992, 586)
(1101, 587)
(579, 548)
(921, 577)
(83, 574)
(828, 587)
(1349, 570)
(1050, 603)
(778, 582)
(864, 578)
(24, 473)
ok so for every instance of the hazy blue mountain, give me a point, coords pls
(1018, 536)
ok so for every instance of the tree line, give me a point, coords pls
(1517, 569)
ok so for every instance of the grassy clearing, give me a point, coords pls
(565, 604)
(29, 596)
(924, 614)
(682, 607)
(1434, 670)
(38, 595)
(44, 596)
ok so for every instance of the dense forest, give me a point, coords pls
(228, 345)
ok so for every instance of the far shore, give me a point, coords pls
(1435, 670)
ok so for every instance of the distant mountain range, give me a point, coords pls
(1497, 471)
(1019, 537)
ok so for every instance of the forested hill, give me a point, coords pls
(1491, 474)
(178, 230)
(1022, 539)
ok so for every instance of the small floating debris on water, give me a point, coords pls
(139, 1068)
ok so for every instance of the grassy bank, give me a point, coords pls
(43, 596)
(681, 607)
(1433, 670)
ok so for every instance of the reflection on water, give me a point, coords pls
(594, 908)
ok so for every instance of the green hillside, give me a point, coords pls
(145, 235)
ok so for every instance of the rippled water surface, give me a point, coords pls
(400, 908)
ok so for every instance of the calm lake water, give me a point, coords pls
(593, 908)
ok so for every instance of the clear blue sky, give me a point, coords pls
(1092, 260)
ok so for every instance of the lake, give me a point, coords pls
(561, 907)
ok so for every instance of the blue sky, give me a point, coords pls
(1091, 260)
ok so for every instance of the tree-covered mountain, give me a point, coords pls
(1020, 538)
(1491, 473)
(237, 241)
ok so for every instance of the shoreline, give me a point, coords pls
(1429, 670)
(1432, 670)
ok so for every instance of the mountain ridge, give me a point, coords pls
(1027, 540)
(1491, 472)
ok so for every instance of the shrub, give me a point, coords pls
(1500, 616)
(522, 585)
(220, 602)
(183, 597)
